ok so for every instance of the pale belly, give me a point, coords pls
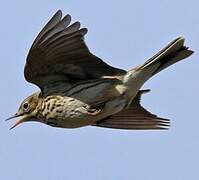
(72, 111)
(75, 114)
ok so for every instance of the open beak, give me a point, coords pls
(23, 119)
(14, 116)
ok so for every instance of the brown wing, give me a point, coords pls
(59, 53)
(134, 117)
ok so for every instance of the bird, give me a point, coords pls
(77, 88)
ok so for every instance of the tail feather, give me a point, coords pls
(172, 53)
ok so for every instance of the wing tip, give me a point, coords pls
(150, 124)
(59, 12)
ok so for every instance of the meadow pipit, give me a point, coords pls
(78, 89)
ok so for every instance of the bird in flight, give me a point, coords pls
(79, 89)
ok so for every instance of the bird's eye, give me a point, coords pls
(25, 106)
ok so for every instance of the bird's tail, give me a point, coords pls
(172, 53)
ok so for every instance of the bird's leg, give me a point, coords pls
(94, 109)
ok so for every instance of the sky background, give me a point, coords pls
(124, 34)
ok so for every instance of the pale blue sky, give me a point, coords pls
(125, 34)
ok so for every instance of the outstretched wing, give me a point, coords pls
(59, 54)
(134, 117)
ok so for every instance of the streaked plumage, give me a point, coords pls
(79, 89)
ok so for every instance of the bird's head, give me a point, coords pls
(27, 110)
